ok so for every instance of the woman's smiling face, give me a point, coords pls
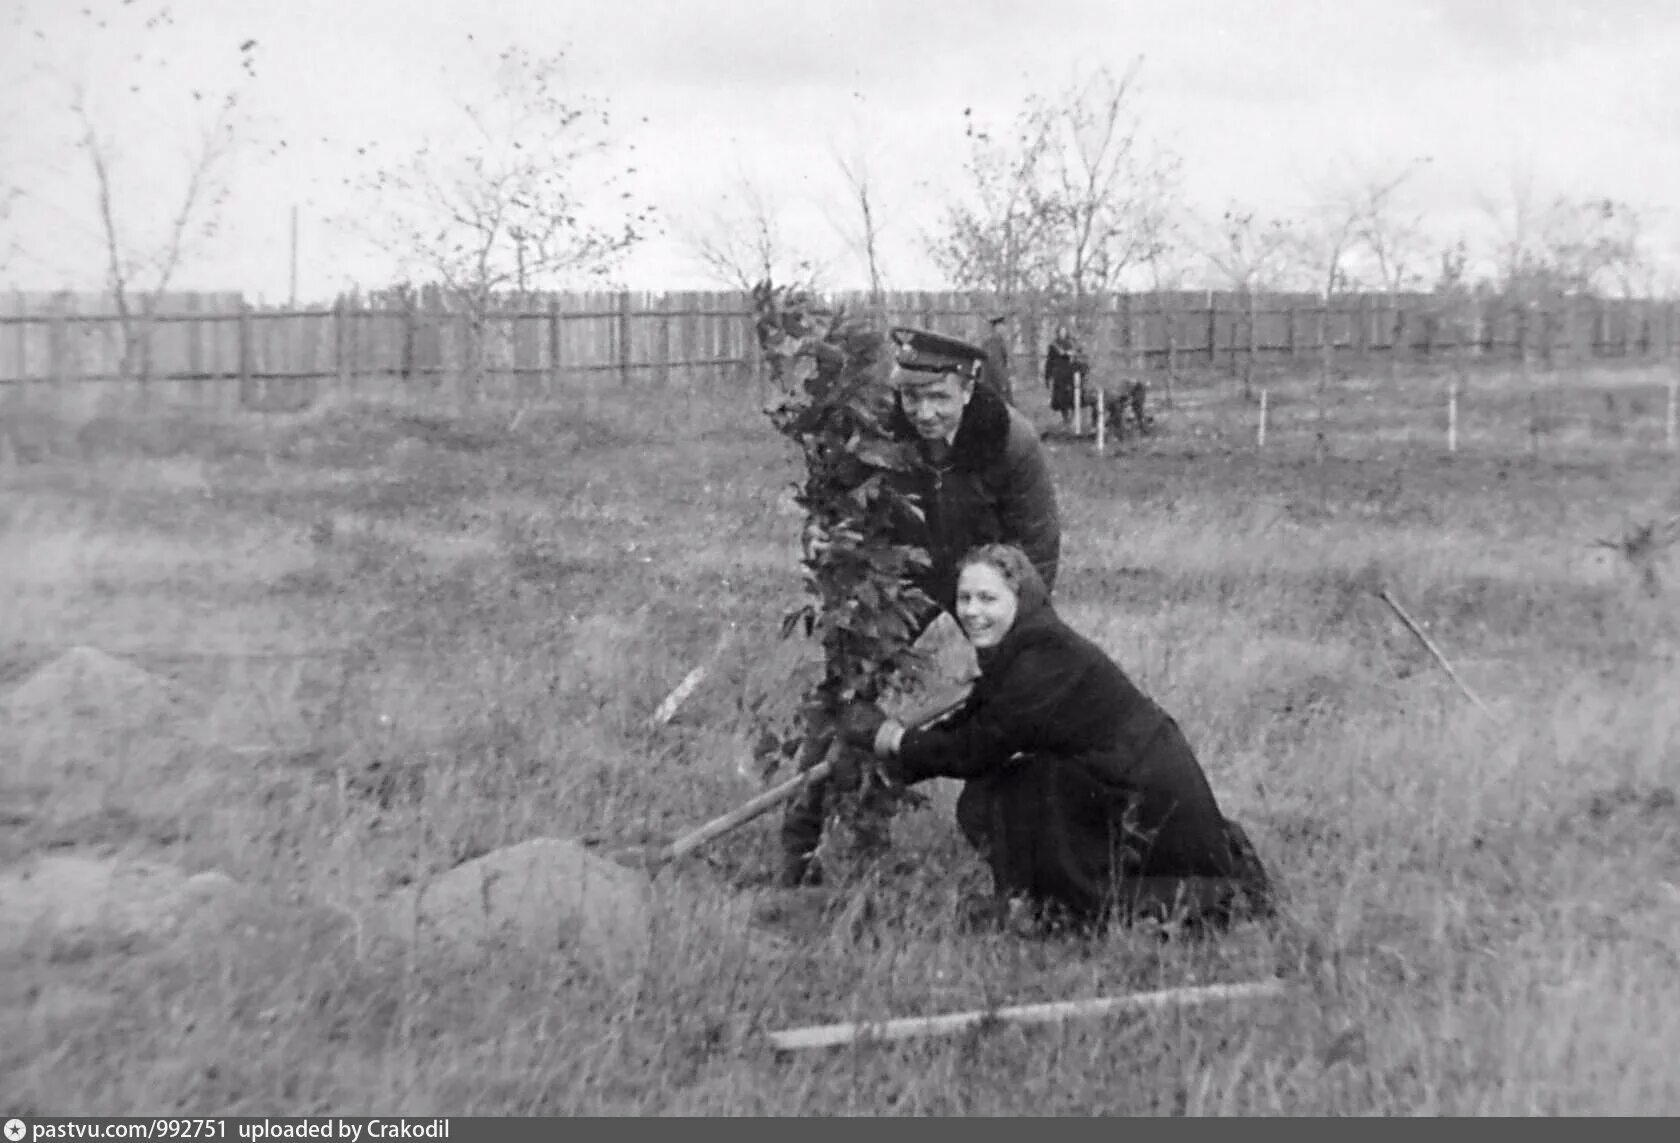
(986, 605)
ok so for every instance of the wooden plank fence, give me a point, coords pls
(549, 345)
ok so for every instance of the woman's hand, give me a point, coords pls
(858, 724)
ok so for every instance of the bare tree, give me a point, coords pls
(861, 223)
(1324, 241)
(13, 162)
(138, 274)
(1109, 190)
(1389, 229)
(1515, 220)
(1252, 253)
(145, 228)
(739, 240)
(1073, 201)
(506, 211)
(1593, 245)
(999, 233)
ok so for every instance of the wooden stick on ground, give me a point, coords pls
(1429, 645)
(667, 710)
(833, 1035)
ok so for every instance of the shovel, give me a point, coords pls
(945, 685)
(599, 907)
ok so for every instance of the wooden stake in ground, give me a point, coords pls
(1429, 645)
(1078, 403)
(1452, 417)
(834, 1035)
(1260, 433)
(1102, 421)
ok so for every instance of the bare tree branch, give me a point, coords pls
(509, 213)
(739, 240)
(1070, 206)
(862, 233)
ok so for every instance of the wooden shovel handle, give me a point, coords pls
(745, 812)
(769, 799)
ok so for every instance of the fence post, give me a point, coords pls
(1260, 433)
(245, 394)
(1396, 337)
(1289, 330)
(1322, 443)
(1253, 343)
(55, 347)
(341, 367)
(1137, 334)
(190, 306)
(553, 346)
(1169, 320)
(1526, 374)
(1671, 431)
(665, 340)
(624, 337)
(1212, 331)
(1122, 338)
(405, 349)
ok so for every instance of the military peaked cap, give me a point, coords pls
(923, 351)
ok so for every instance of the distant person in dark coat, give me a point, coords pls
(1063, 362)
(995, 370)
(1080, 792)
(983, 478)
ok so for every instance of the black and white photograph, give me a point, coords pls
(897, 558)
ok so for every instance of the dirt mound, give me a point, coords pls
(537, 896)
(85, 727)
(78, 896)
(86, 683)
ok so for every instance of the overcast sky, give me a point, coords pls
(1263, 102)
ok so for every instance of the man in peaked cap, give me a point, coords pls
(995, 372)
(985, 481)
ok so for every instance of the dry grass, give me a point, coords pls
(405, 641)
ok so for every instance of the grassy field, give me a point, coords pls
(401, 640)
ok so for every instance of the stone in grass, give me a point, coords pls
(541, 895)
(75, 896)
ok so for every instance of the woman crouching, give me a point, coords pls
(1080, 792)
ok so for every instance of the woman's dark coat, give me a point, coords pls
(1062, 362)
(1080, 791)
(993, 487)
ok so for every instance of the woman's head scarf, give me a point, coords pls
(1032, 598)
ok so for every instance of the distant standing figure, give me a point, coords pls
(995, 370)
(1063, 362)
